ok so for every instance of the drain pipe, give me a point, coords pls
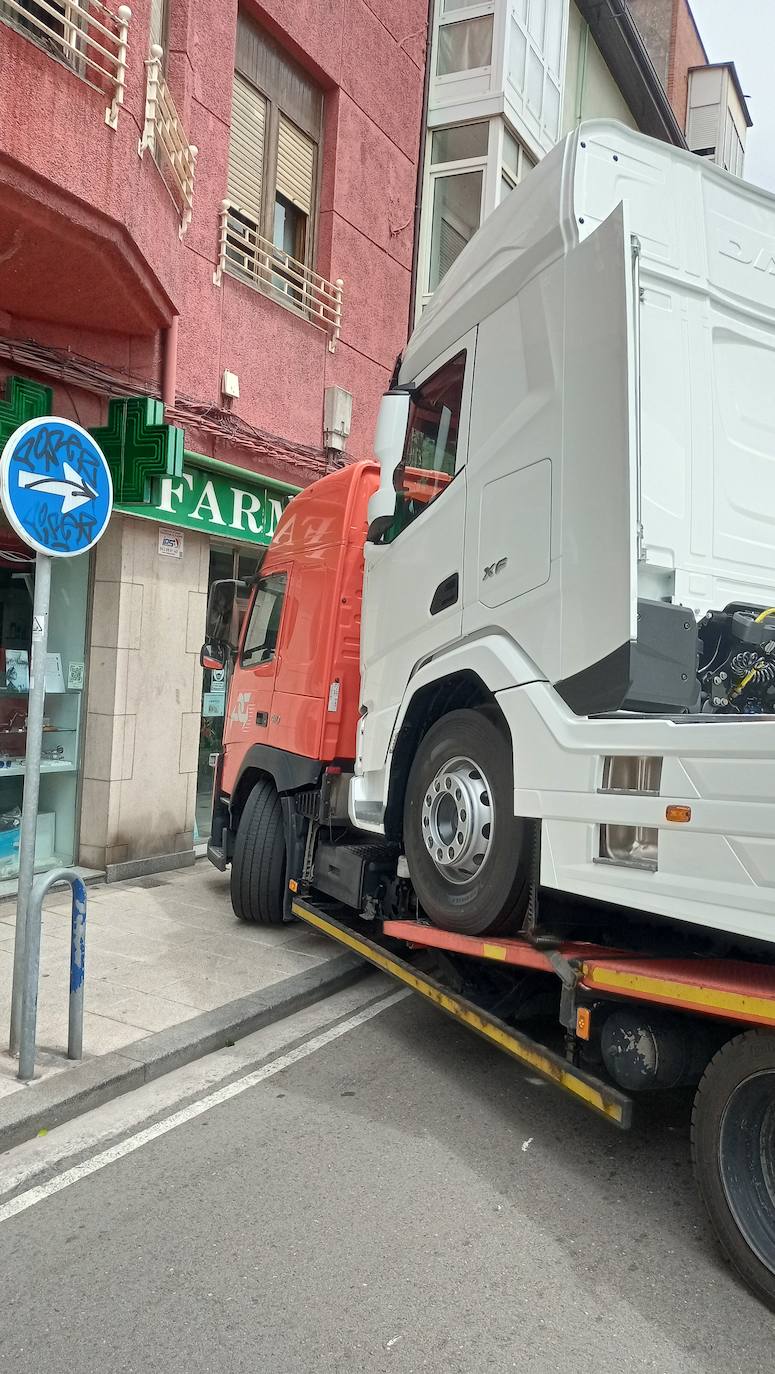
(169, 364)
(581, 79)
(420, 182)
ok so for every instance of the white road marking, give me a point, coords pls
(135, 1142)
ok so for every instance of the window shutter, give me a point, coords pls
(295, 165)
(158, 22)
(246, 148)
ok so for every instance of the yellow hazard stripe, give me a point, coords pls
(688, 995)
(563, 1077)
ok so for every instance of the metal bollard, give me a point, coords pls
(29, 1015)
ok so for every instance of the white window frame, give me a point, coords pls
(475, 82)
(530, 128)
(432, 172)
(525, 160)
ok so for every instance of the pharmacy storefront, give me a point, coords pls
(230, 515)
(130, 724)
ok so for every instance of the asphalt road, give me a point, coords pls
(401, 1198)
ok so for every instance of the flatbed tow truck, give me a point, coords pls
(720, 1029)
(501, 707)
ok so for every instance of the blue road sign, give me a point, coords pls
(55, 486)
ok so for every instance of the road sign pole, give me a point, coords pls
(35, 708)
(57, 493)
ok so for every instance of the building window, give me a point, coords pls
(536, 58)
(464, 45)
(430, 450)
(516, 162)
(55, 26)
(274, 149)
(457, 165)
(159, 18)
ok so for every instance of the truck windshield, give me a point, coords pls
(261, 636)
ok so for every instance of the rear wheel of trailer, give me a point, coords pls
(733, 1146)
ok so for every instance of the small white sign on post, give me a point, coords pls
(170, 543)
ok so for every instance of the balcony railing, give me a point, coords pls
(164, 135)
(84, 34)
(245, 254)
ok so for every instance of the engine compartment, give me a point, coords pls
(736, 671)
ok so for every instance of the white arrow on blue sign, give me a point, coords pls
(55, 487)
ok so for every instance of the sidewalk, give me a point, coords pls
(170, 974)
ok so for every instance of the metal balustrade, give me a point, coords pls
(84, 34)
(249, 257)
(165, 137)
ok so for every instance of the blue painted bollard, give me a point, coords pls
(29, 1018)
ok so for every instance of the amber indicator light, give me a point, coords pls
(681, 814)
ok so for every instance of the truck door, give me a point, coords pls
(414, 575)
(254, 679)
(551, 534)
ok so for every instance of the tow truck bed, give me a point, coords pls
(722, 989)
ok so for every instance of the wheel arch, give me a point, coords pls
(466, 675)
(289, 773)
(460, 690)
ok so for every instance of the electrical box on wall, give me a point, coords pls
(337, 417)
(230, 385)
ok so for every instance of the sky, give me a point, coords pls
(743, 31)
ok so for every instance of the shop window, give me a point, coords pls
(261, 636)
(226, 560)
(274, 151)
(56, 836)
(458, 161)
(430, 450)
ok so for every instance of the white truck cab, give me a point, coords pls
(571, 561)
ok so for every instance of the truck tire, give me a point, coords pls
(468, 855)
(258, 864)
(733, 1148)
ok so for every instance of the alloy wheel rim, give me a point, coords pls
(458, 820)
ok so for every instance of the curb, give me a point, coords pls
(50, 1103)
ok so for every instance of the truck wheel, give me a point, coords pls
(258, 864)
(468, 855)
(733, 1147)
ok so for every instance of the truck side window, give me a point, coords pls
(430, 450)
(261, 637)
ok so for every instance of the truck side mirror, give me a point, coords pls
(389, 441)
(223, 619)
(213, 654)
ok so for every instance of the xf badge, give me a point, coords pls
(494, 568)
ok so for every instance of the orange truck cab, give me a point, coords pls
(292, 705)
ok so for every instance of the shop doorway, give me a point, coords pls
(226, 560)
